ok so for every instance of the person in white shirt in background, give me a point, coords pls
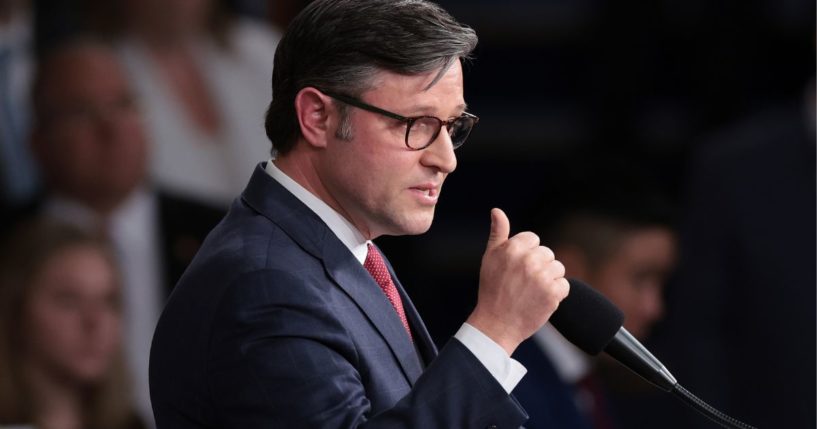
(202, 77)
(619, 237)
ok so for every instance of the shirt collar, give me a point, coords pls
(339, 225)
(128, 220)
(570, 363)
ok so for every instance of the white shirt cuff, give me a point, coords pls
(507, 371)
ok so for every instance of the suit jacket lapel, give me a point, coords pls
(272, 200)
(427, 348)
(362, 288)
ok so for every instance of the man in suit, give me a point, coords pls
(618, 236)
(289, 316)
(92, 152)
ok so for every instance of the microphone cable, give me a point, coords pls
(604, 332)
(707, 410)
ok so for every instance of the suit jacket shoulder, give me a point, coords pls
(547, 398)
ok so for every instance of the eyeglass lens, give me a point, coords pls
(424, 130)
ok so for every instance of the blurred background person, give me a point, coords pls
(60, 332)
(616, 235)
(92, 150)
(203, 77)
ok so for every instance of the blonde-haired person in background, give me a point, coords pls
(60, 332)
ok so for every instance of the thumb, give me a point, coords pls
(500, 228)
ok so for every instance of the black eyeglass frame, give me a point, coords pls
(409, 121)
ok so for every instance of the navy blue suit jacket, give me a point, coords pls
(547, 398)
(276, 325)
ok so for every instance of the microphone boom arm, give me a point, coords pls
(607, 334)
(629, 351)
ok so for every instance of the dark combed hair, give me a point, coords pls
(603, 202)
(340, 45)
(598, 229)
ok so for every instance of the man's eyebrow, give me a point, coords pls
(424, 109)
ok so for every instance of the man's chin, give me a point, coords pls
(413, 226)
(420, 230)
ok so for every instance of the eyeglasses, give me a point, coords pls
(421, 131)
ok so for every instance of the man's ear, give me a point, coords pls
(316, 116)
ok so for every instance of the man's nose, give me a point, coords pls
(440, 154)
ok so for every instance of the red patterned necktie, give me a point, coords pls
(594, 401)
(377, 268)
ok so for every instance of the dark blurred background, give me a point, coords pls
(566, 88)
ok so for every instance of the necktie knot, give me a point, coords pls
(375, 265)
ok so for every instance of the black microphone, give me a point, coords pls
(589, 320)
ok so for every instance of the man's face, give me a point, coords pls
(634, 276)
(373, 179)
(91, 139)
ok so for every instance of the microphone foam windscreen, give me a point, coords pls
(587, 318)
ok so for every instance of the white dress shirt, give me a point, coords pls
(185, 159)
(570, 363)
(507, 371)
